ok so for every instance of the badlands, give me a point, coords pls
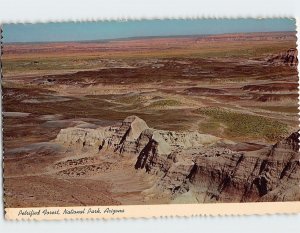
(161, 120)
(186, 167)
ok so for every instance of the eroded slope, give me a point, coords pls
(192, 167)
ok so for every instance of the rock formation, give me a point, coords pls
(289, 58)
(194, 167)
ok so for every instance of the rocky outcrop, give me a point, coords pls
(281, 171)
(132, 136)
(200, 166)
(124, 139)
(82, 138)
(229, 176)
(288, 58)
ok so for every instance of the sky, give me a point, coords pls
(105, 30)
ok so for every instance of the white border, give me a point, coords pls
(75, 10)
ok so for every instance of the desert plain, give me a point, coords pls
(187, 119)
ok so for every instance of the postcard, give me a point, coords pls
(150, 118)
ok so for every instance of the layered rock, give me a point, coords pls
(82, 138)
(199, 165)
(281, 171)
(124, 139)
(229, 176)
(289, 58)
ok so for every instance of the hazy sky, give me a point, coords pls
(42, 32)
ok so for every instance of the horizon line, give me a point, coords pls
(144, 37)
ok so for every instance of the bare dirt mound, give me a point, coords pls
(274, 97)
(272, 87)
(204, 91)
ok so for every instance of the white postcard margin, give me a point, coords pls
(149, 211)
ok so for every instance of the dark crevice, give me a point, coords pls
(261, 184)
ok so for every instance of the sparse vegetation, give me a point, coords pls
(246, 125)
(131, 99)
(160, 73)
(164, 103)
(211, 127)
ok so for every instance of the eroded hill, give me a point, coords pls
(191, 167)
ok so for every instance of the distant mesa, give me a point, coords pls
(287, 58)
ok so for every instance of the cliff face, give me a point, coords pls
(200, 167)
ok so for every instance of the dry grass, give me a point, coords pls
(245, 125)
(164, 103)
